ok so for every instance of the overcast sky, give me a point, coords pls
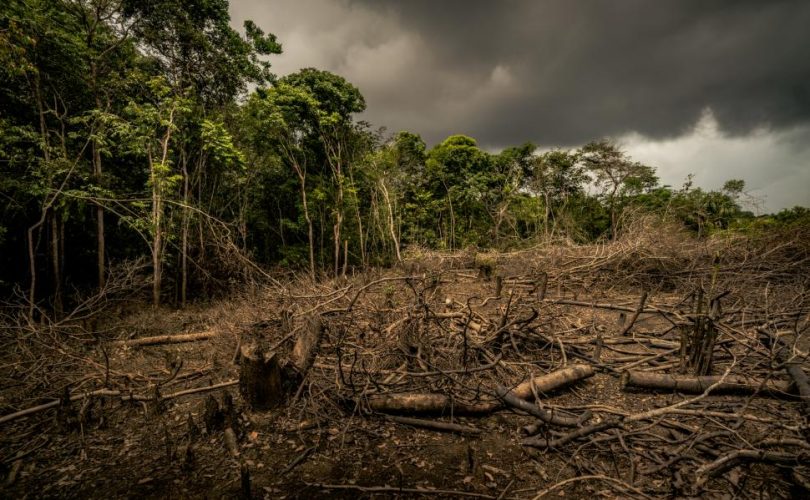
(720, 89)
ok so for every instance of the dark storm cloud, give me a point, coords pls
(590, 68)
(563, 72)
(558, 72)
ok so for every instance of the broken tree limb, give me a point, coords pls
(737, 457)
(555, 380)
(542, 442)
(548, 416)
(164, 339)
(697, 385)
(111, 393)
(793, 366)
(427, 403)
(434, 403)
(636, 313)
(434, 425)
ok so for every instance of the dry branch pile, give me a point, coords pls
(653, 367)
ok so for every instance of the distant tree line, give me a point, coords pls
(129, 133)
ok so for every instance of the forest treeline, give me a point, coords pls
(150, 135)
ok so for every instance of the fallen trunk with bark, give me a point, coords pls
(698, 384)
(165, 339)
(433, 403)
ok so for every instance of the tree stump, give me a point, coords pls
(267, 379)
(260, 378)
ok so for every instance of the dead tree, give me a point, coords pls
(698, 340)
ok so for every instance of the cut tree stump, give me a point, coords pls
(266, 379)
(260, 378)
(306, 346)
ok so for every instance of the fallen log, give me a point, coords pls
(434, 425)
(427, 403)
(164, 339)
(698, 384)
(655, 413)
(553, 381)
(433, 403)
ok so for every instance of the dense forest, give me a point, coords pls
(150, 140)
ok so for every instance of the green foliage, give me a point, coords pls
(137, 113)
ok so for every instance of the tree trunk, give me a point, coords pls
(391, 225)
(260, 379)
(302, 178)
(266, 380)
(697, 385)
(184, 236)
(46, 154)
(157, 236)
(363, 258)
(55, 262)
(100, 242)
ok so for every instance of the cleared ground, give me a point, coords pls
(458, 325)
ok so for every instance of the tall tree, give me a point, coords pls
(330, 119)
(556, 176)
(615, 174)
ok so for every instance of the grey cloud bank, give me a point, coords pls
(563, 73)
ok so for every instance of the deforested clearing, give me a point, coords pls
(378, 249)
(486, 375)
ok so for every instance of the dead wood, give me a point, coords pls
(427, 403)
(440, 403)
(636, 313)
(553, 381)
(544, 443)
(266, 380)
(231, 443)
(696, 385)
(261, 381)
(548, 416)
(400, 491)
(435, 425)
(306, 346)
(165, 339)
(110, 393)
(793, 366)
(734, 458)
